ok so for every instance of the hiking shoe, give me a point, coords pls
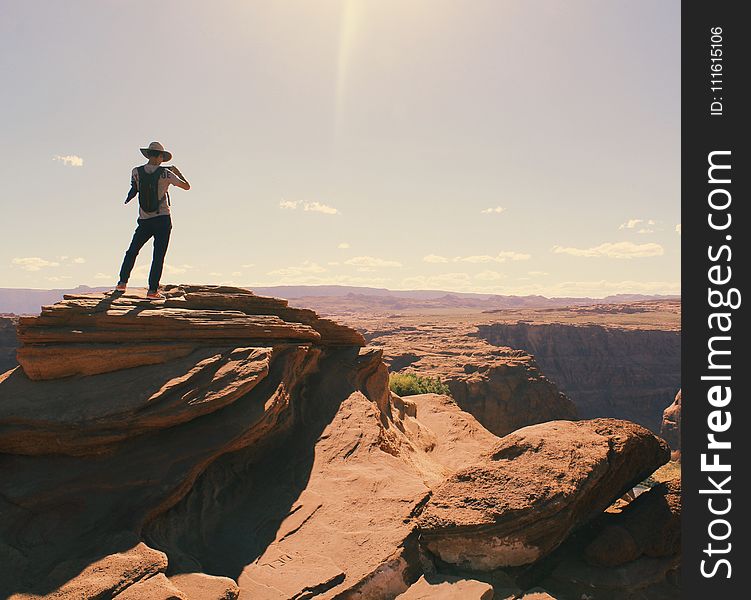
(121, 287)
(155, 295)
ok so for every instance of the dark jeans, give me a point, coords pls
(159, 228)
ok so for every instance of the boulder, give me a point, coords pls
(671, 426)
(445, 587)
(101, 577)
(199, 586)
(650, 525)
(536, 486)
(157, 587)
(646, 577)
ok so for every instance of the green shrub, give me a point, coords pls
(407, 384)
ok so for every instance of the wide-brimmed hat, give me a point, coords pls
(160, 148)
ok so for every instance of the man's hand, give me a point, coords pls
(184, 185)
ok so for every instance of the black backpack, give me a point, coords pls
(148, 189)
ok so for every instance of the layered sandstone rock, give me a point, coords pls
(95, 333)
(670, 430)
(8, 342)
(536, 486)
(267, 461)
(607, 371)
(282, 463)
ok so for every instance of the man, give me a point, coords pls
(150, 182)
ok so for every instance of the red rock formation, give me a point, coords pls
(283, 463)
(448, 588)
(94, 333)
(606, 371)
(503, 388)
(8, 342)
(536, 486)
(671, 426)
(650, 525)
(270, 467)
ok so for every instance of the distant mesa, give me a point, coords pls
(332, 299)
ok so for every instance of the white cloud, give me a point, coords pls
(248, 266)
(514, 255)
(343, 245)
(236, 273)
(631, 224)
(143, 270)
(175, 270)
(308, 206)
(70, 160)
(34, 263)
(306, 267)
(371, 261)
(678, 229)
(614, 250)
(489, 276)
(79, 260)
(329, 279)
(102, 276)
(537, 273)
(500, 257)
(216, 274)
(634, 223)
(318, 207)
(434, 258)
(58, 278)
(494, 209)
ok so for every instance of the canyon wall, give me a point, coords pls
(8, 342)
(502, 388)
(607, 372)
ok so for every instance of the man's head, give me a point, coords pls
(156, 153)
(155, 157)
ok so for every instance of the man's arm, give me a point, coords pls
(133, 189)
(179, 179)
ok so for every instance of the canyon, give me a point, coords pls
(608, 360)
(222, 444)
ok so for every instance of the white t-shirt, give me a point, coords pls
(168, 178)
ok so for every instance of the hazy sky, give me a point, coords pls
(524, 146)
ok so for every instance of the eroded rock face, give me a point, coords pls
(95, 333)
(536, 486)
(258, 452)
(8, 342)
(671, 425)
(283, 464)
(606, 371)
(650, 525)
(502, 387)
